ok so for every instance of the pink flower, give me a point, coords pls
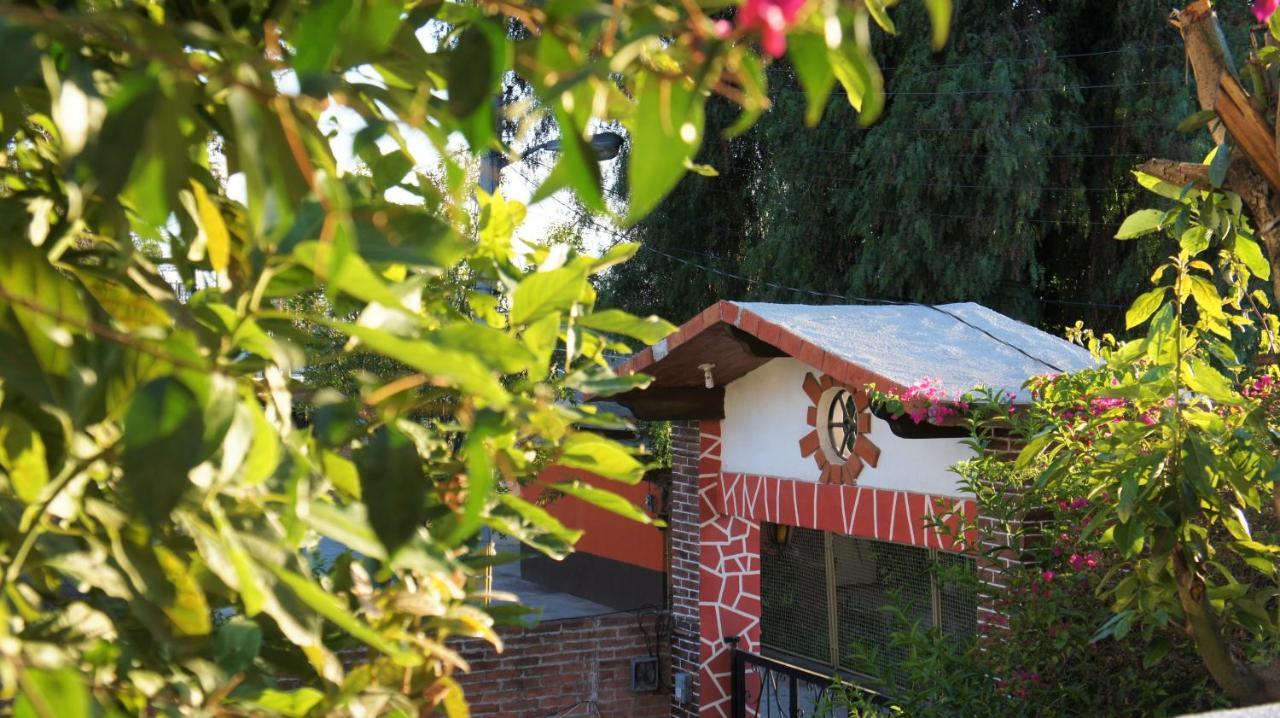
(1262, 9)
(772, 17)
(1048, 576)
(723, 28)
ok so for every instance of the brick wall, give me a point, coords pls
(569, 667)
(685, 554)
(993, 533)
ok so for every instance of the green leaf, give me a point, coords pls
(22, 457)
(455, 703)
(1032, 449)
(455, 368)
(1156, 651)
(393, 486)
(349, 526)
(605, 383)
(236, 644)
(48, 306)
(352, 276)
(316, 40)
(163, 427)
(808, 55)
(1206, 296)
(471, 72)
(1129, 536)
(1218, 166)
(481, 473)
(217, 240)
(59, 693)
(1196, 120)
(650, 329)
(1194, 240)
(881, 15)
(1158, 186)
(342, 474)
(1202, 378)
(291, 704)
(940, 21)
(533, 525)
(601, 456)
(666, 132)
(756, 90)
(861, 79)
(543, 293)
(496, 348)
(1248, 252)
(1143, 307)
(336, 612)
(188, 610)
(604, 499)
(1142, 222)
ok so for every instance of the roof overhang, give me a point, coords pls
(736, 341)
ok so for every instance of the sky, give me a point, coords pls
(519, 180)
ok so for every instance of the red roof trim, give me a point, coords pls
(779, 336)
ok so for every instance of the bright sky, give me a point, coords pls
(518, 181)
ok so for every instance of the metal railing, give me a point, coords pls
(762, 687)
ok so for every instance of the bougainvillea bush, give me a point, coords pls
(1047, 659)
(1141, 511)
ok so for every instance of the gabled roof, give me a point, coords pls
(964, 346)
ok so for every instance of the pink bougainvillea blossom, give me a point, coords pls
(772, 18)
(1262, 9)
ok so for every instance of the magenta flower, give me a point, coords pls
(772, 18)
(1048, 575)
(1262, 9)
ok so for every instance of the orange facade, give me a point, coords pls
(607, 534)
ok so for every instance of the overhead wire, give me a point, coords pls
(588, 219)
(862, 300)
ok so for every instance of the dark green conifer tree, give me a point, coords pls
(998, 173)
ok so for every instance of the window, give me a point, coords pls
(822, 592)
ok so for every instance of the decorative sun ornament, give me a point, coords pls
(841, 421)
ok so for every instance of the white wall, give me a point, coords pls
(765, 420)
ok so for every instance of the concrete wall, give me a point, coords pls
(765, 419)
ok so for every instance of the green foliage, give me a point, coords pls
(1172, 445)
(1046, 659)
(199, 383)
(970, 187)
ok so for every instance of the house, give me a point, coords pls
(797, 509)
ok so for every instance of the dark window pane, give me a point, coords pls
(958, 604)
(793, 593)
(872, 577)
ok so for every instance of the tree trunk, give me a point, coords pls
(1247, 176)
(1246, 684)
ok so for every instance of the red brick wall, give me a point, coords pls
(685, 555)
(571, 667)
(993, 533)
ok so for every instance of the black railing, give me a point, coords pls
(763, 687)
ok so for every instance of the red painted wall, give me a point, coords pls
(607, 534)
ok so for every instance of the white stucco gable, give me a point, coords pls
(765, 419)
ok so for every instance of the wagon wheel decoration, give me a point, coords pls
(841, 421)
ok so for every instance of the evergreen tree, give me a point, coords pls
(998, 173)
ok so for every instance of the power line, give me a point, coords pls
(1008, 90)
(862, 300)
(1041, 58)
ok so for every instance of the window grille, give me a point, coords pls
(821, 591)
(793, 593)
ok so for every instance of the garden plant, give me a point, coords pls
(177, 230)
